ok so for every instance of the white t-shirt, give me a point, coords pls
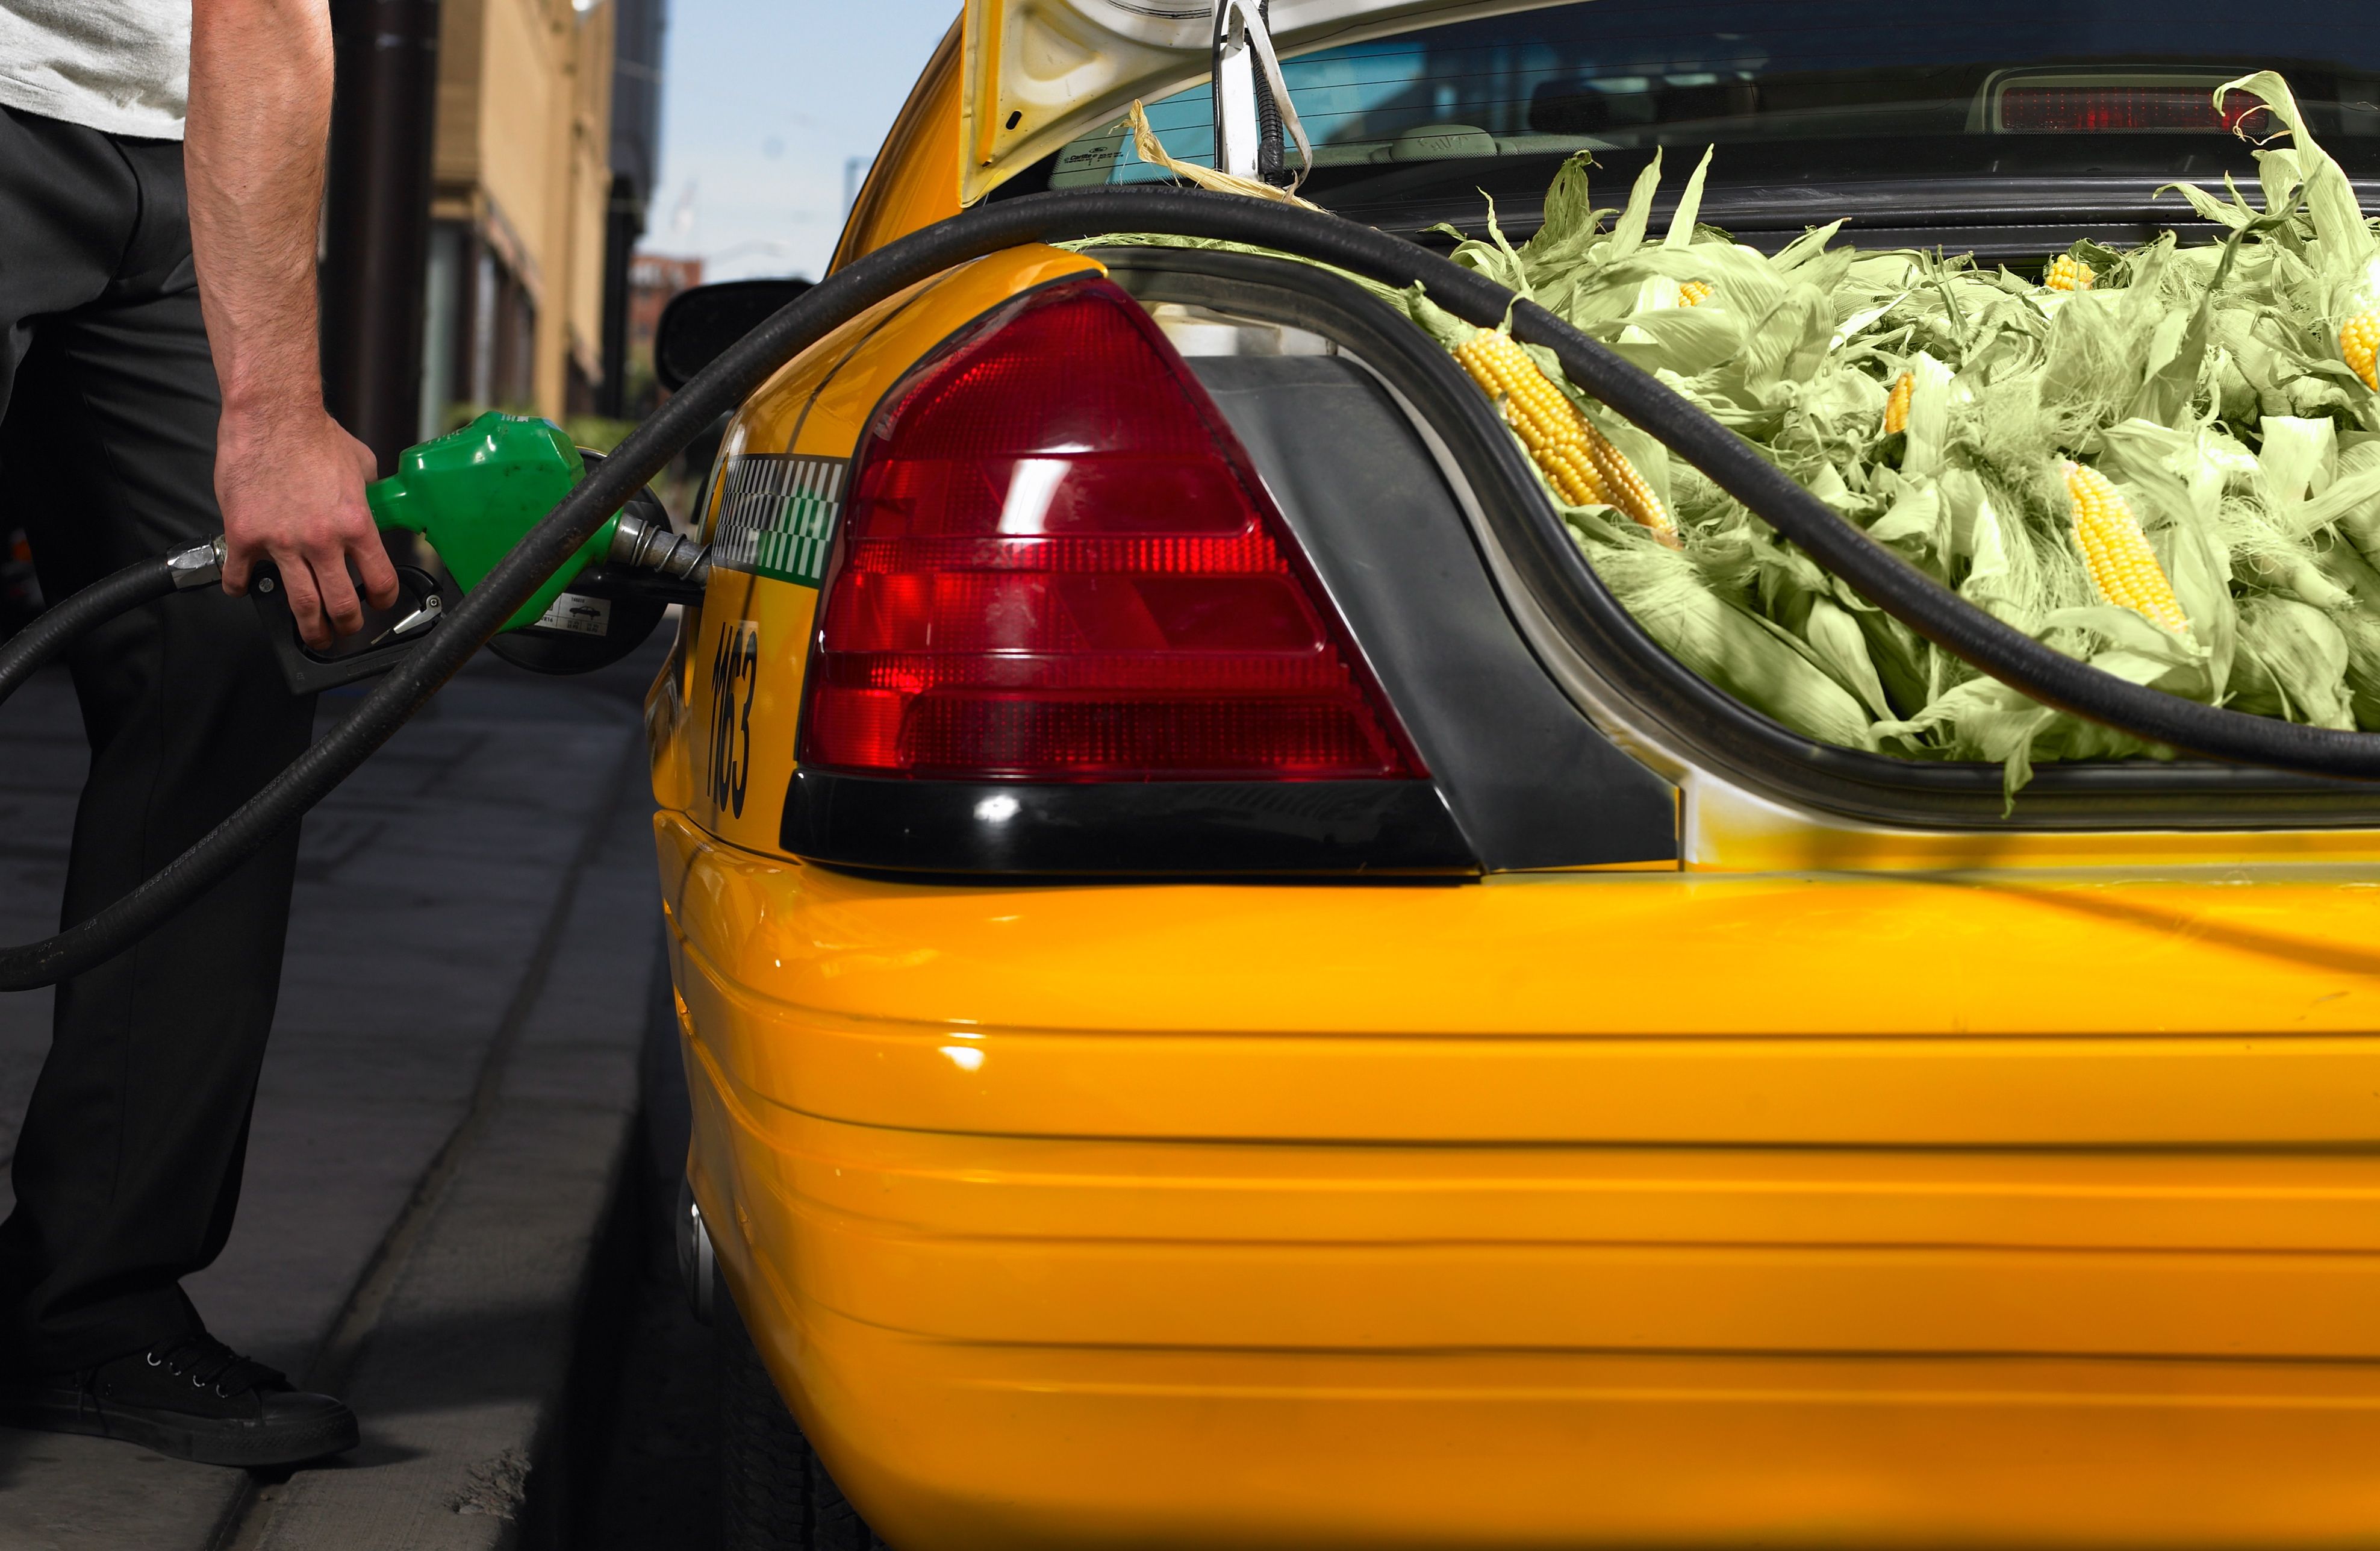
(120, 66)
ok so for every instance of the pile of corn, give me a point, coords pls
(2164, 461)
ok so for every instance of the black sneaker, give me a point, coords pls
(192, 1398)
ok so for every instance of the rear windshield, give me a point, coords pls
(1881, 78)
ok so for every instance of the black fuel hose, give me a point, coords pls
(55, 629)
(1877, 572)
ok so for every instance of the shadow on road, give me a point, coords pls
(636, 1473)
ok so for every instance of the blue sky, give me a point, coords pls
(763, 102)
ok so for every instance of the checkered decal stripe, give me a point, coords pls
(777, 515)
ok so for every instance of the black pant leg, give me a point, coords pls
(70, 205)
(128, 1166)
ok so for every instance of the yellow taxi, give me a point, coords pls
(1231, 1000)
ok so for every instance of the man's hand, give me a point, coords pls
(294, 495)
(291, 482)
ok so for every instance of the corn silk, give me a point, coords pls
(2208, 382)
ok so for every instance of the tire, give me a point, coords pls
(775, 1493)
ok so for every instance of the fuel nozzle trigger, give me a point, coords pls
(388, 633)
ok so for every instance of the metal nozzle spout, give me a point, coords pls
(649, 546)
(198, 565)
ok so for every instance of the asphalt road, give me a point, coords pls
(449, 1200)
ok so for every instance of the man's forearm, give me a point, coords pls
(259, 119)
(290, 480)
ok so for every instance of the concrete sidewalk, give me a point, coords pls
(441, 1125)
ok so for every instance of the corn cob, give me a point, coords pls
(1896, 409)
(1693, 293)
(1578, 459)
(2359, 342)
(2122, 566)
(2068, 272)
(1548, 424)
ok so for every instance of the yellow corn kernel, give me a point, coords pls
(2123, 567)
(1693, 293)
(2068, 272)
(1625, 489)
(2359, 342)
(1578, 460)
(1896, 409)
(1572, 472)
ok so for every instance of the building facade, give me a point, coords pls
(515, 293)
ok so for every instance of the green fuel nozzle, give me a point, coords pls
(473, 493)
(474, 496)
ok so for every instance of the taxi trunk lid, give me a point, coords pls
(1037, 73)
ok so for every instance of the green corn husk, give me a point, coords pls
(2207, 383)
(2295, 663)
(1753, 659)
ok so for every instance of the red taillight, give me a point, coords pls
(2089, 109)
(1056, 565)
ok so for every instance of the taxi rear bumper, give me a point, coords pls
(1000, 1342)
(1031, 1281)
